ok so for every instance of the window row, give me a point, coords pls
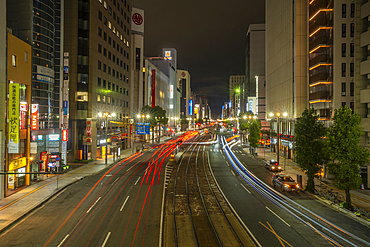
(111, 101)
(112, 56)
(351, 48)
(344, 30)
(351, 69)
(351, 89)
(111, 86)
(344, 10)
(111, 71)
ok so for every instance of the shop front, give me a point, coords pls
(17, 180)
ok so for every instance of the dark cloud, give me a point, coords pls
(209, 37)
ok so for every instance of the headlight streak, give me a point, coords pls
(274, 197)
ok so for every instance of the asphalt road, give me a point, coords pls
(270, 224)
(117, 207)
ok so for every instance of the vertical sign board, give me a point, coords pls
(84, 152)
(153, 88)
(171, 91)
(64, 135)
(65, 107)
(191, 107)
(13, 126)
(34, 117)
(88, 130)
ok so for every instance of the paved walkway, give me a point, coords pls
(19, 204)
(360, 198)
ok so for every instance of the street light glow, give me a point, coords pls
(100, 114)
(113, 114)
(285, 114)
(245, 117)
(278, 114)
(138, 115)
(271, 114)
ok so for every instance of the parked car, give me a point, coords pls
(285, 182)
(273, 166)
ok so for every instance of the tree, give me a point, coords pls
(254, 133)
(346, 153)
(309, 149)
(157, 117)
(184, 122)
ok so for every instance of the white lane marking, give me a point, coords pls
(93, 205)
(123, 205)
(278, 216)
(232, 173)
(115, 181)
(106, 239)
(245, 188)
(137, 180)
(108, 175)
(130, 168)
(64, 239)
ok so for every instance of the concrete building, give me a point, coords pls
(3, 86)
(286, 56)
(97, 38)
(19, 69)
(183, 83)
(236, 83)
(254, 60)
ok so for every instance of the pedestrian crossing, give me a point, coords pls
(220, 150)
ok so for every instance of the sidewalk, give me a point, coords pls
(360, 198)
(20, 204)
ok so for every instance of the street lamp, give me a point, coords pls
(278, 114)
(106, 115)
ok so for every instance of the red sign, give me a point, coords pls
(43, 157)
(64, 135)
(33, 138)
(34, 118)
(54, 156)
(88, 130)
(183, 74)
(23, 106)
(137, 19)
(153, 88)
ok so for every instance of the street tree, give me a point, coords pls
(157, 117)
(309, 149)
(254, 133)
(346, 153)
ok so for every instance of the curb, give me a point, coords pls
(348, 213)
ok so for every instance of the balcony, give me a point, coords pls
(321, 95)
(317, 5)
(319, 59)
(316, 23)
(317, 41)
(323, 76)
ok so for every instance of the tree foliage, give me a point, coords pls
(309, 147)
(344, 149)
(254, 133)
(157, 114)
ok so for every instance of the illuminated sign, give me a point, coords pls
(33, 138)
(103, 141)
(13, 126)
(64, 135)
(191, 107)
(88, 130)
(54, 137)
(34, 118)
(23, 106)
(171, 91)
(167, 55)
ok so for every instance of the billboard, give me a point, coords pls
(13, 116)
(137, 23)
(34, 118)
(191, 107)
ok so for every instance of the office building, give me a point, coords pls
(97, 36)
(236, 83)
(183, 83)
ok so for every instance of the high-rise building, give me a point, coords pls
(183, 83)
(97, 36)
(286, 56)
(236, 83)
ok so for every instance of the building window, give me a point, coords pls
(103, 99)
(344, 30)
(26, 57)
(105, 52)
(352, 69)
(120, 90)
(343, 49)
(105, 4)
(99, 81)
(100, 15)
(352, 50)
(114, 74)
(112, 101)
(352, 10)
(109, 85)
(99, 31)
(137, 59)
(109, 70)
(114, 44)
(105, 21)
(109, 40)
(108, 99)
(99, 48)
(105, 36)
(344, 10)
(104, 67)
(110, 10)
(98, 98)
(343, 104)
(109, 25)
(99, 65)
(352, 89)
(104, 84)
(109, 55)
(117, 87)
(14, 60)
(343, 89)
(352, 106)
(113, 87)
(352, 29)
(343, 69)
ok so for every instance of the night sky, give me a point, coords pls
(209, 37)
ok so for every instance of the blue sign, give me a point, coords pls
(84, 152)
(191, 107)
(143, 128)
(65, 104)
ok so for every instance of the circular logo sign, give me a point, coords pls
(137, 19)
(183, 74)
